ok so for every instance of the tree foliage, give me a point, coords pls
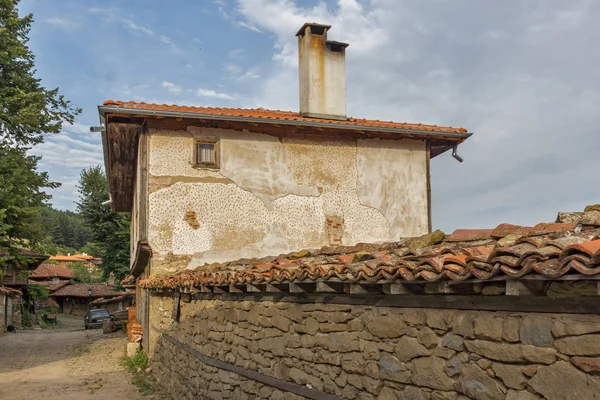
(22, 197)
(27, 112)
(27, 109)
(109, 231)
(65, 230)
(82, 274)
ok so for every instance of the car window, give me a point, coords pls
(99, 313)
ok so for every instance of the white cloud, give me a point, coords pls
(171, 87)
(521, 76)
(238, 74)
(248, 26)
(215, 95)
(115, 15)
(62, 23)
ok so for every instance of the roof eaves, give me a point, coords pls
(317, 124)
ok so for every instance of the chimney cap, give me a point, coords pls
(336, 46)
(319, 27)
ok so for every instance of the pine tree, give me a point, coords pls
(27, 112)
(27, 109)
(22, 197)
(109, 231)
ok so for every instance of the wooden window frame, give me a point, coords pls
(217, 150)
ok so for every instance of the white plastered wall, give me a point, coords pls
(272, 196)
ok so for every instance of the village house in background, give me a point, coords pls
(89, 261)
(112, 304)
(75, 298)
(15, 275)
(51, 276)
(14, 280)
(9, 308)
(288, 253)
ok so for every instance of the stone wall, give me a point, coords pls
(364, 352)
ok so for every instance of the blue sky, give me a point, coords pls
(521, 75)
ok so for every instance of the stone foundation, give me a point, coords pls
(365, 352)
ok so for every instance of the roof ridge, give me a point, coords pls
(263, 113)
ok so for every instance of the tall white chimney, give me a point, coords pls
(322, 70)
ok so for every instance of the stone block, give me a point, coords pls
(408, 348)
(370, 350)
(572, 327)
(437, 395)
(591, 365)
(562, 381)
(475, 383)
(511, 375)
(537, 331)
(511, 329)
(353, 363)
(453, 366)
(463, 326)
(511, 353)
(343, 342)
(387, 326)
(429, 372)
(435, 319)
(393, 369)
(586, 345)
(453, 341)
(489, 328)
(521, 395)
(133, 348)
(428, 338)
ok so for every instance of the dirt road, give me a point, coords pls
(64, 363)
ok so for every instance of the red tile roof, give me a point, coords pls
(81, 290)
(9, 291)
(51, 286)
(48, 303)
(102, 300)
(51, 271)
(128, 281)
(550, 250)
(283, 116)
(27, 253)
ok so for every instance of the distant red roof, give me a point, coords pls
(262, 113)
(51, 286)
(27, 253)
(51, 271)
(81, 290)
(10, 292)
(103, 300)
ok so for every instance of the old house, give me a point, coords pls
(112, 304)
(9, 308)
(51, 276)
(291, 253)
(89, 261)
(16, 274)
(75, 299)
(209, 185)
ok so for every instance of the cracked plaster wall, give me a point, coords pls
(272, 196)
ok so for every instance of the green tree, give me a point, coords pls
(27, 109)
(65, 230)
(22, 197)
(109, 231)
(82, 274)
(27, 112)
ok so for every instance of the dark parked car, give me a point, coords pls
(95, 318)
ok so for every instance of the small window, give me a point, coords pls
(207, 154)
